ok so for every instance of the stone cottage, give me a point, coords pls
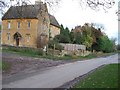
(22, 25)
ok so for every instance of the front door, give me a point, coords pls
(17, 41)
(17, 36)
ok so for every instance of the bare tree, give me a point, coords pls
(93, 4)
(98, 4)
(3, 5)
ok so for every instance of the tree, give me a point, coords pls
(0, 27)
(98, 4)
(93, 4)
(96, 34)
(64, 36)
(61, 29)
(87, 35)
(78, 38)
(72, 37)
(105, 44)
(113, 40)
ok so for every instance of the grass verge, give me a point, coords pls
(106, 77)
(40, 54)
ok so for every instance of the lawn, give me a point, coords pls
(106, 77)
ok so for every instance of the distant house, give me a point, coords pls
(21, 25)
(77, 29)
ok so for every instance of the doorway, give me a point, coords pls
(17, 36)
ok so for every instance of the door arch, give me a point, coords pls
(17, 36)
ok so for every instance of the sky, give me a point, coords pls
(71, 14)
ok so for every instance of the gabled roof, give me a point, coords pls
(53, 21)
(27, 12)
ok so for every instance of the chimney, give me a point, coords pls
(38, 2)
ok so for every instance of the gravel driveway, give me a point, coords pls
(23, 64)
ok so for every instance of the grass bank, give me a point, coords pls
(30, 52)
(106, 77)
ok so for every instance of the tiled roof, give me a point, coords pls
(27, 12)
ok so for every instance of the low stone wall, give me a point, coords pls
(77, 52)
(73, 47)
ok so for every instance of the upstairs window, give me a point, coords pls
(28, 24)
(28, 37)
(18, 25)
(9, 25)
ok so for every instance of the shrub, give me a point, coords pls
(57, 45)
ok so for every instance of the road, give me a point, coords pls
(57, 76)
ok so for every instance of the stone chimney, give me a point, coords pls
(38, 2)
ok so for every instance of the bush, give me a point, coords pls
(57, 45)
(51, 44)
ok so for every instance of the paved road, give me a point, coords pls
(59, 75)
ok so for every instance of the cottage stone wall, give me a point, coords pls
(43, 20)
(54, 31)
(23, 30)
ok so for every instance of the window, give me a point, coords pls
(28, 24)
(18, 24)
(28, 37)
(8, 36)
(8, 24)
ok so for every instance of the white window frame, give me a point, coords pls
(18, 25)
(29, 24)
(9, 25)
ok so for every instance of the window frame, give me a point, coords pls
(18, 24)
(9, 24)
(28, 24)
